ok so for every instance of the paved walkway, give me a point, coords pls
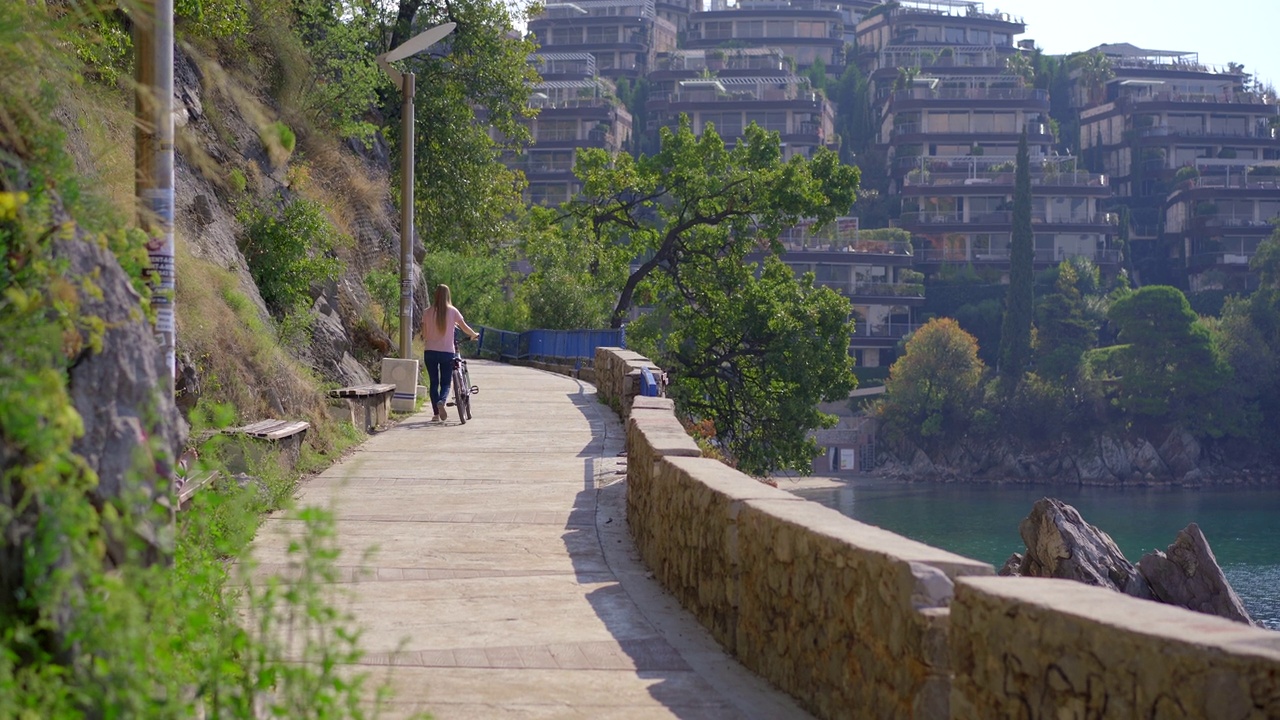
(503, 583)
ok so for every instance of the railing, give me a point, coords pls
(866, 289)
(1004, 179)
(1234, 222)
(972, 94)
(997, 217)
(591, 102)
(1033, 129)
(1220, 258)
(547, 344)
(1244, 98)
(863, 329)
(876, 247)
(959, 255)
(1272, 182)
(1265, 133)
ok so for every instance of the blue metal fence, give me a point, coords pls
(547, 344)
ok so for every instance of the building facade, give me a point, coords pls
(1151, 119)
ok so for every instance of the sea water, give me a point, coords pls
(980, 521)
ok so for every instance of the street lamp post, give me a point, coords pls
(405, 80)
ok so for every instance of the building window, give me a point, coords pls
(751, 28)
(722, 30)
(780, 28)
(954, 35)
(566, 36)
(602, 34)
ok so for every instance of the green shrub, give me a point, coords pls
(239, 183)
(287, 256)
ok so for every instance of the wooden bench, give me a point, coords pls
(287, 435)
(375, 399)
(187, 487)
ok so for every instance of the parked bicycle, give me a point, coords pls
(462, 387)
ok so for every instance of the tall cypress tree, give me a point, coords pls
(1015, 333)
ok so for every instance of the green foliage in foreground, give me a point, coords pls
(95, 620)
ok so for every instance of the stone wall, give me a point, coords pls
(618, 377)
(855, 621)
(1035, 648)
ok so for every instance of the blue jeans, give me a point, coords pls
(439, 375)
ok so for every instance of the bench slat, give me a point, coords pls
(272, 429)
(362, 390)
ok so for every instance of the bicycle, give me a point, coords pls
(462, 387)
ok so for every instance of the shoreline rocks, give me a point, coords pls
(1060, 544)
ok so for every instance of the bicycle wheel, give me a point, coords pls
(466, 378)
(460, 396)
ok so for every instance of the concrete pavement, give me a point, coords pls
(499, 580)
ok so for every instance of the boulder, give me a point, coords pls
(1146, 460)
(1060, 544)
(1180, 453)
(1012, 566)
(330, 347)
(1187, 574)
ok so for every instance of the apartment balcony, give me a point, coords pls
(814, 249)
(961, 256)
(875, 291)
(1001, 217)
(886, 331)
(1225, 260)
(973, 11)
(940, 56)
(968, 94)
(1160, 131)
(1131, 102)
(921, 132)
(1076, 179)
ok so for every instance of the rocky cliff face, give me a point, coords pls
(1178, 458)
(206, 220)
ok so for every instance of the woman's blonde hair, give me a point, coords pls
(441, 304)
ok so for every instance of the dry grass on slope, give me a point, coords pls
(238, 358)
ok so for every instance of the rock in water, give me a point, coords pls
(1187, 574)
(1060, 544)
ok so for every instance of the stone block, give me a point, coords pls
(404, 375)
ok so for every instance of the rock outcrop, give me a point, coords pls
(1188, 574)
(1107, 459)
(132, 429)
(1060, 544)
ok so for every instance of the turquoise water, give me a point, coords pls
(981, 522)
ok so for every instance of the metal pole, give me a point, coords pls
(153, 40)
(406, 218)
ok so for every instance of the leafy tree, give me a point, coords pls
(480, 285)
(1063, 330)
(752, 354)
(1015, 333)
(695, 198)
(573, 280)
(688, 217)
(1170, 371)
(478, 78)
(931, 391)
(1095, 70)
(339, 37)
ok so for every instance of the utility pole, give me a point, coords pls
(153, 134)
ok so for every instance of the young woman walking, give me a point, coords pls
(438, 323)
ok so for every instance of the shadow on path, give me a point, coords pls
(691, 675)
